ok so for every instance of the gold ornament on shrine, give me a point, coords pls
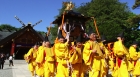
(69, 5)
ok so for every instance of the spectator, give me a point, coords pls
(2, 60)
(11, 60)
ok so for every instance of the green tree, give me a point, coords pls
(110, 15)
(41, 32)
(135, 19)
(134, 24)
(136, 5)
(8, 27)
(54, 30)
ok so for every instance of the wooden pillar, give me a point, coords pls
(13, 47)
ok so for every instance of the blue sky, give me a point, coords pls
(35, 10)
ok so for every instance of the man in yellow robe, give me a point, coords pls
(62, 56)
(92, 55)
(46, 60)
(105, 58)
(134, 60)
(31, 56)
(40, 66)
(76, 58)
(122, 55)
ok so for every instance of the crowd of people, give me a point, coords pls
(75, 59)
(3, 57)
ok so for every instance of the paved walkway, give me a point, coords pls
(6, 71)
(20, 69)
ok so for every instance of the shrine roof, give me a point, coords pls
(8, 36)
(71, 15)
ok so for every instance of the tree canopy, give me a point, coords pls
(136, 5)
(110, 15)
(8, 27)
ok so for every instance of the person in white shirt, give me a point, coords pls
(11, 60)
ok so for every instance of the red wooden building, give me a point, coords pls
(20, 42)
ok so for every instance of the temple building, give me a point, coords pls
(19, 42)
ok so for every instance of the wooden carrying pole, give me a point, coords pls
(96, 27)
(49, 30)
(62, 21)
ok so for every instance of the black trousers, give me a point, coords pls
(1, 65)
(11, 62)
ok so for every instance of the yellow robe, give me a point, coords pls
(104, 62)
(135, 62)
(32, 54)
(76, 61)
(120, 51)
(46, 58)
(61, 52)
(93, 60)
(40, 67)
(111, 57)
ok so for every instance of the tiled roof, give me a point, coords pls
(6, 36)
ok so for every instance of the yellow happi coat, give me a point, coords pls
(111, 61)
(104, 61)
(46, 59)
(93, 60)
(40, 67)
(32, 54)
(122, 56)
(76, 61)
(135, 62)
(61, 53)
